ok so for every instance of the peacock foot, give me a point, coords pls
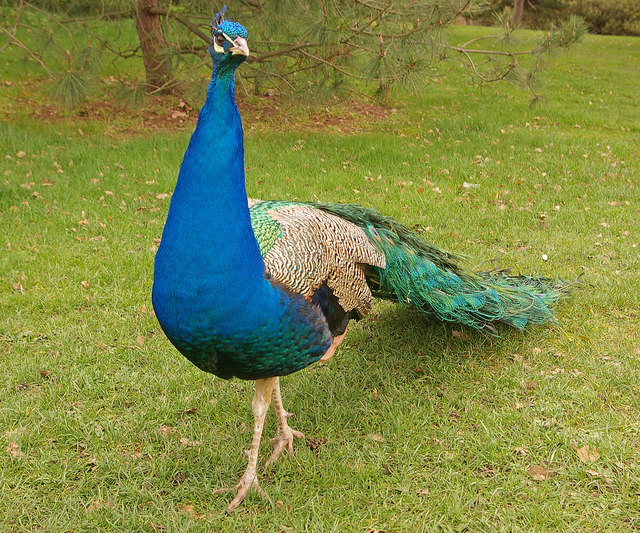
(247, 482)
(283, 441)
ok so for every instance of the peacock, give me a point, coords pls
(260, 289)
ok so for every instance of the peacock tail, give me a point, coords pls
(388, 260)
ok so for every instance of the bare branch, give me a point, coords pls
(490, 52)
(14, 40)
(463, 9)
(179, 18)
(340, 69)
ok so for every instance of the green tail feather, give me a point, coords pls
(436, 284)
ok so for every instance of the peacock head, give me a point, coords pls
(228, 42)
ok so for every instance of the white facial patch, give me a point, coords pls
(216, 47)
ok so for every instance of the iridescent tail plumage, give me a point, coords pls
(434, 282)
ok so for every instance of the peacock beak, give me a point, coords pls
(240, 46)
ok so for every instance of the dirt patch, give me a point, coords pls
(171, 114)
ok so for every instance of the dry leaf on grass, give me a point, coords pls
(190, 510)
(14, 449)
(588, 454)
(315, 442)
(165, 431)
(539, 473)
(186, 442)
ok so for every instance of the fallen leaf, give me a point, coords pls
(588, 454)
(14, 449)
(386, 469)
(487, 471)
(17, 287)
(423, 492)
(521, 451)
(140, 340)
(314, 444)
(538, 473)
(190, 510)
(85, 284)
(186, 442)
(593, 473)
(279, 505)
(376, 437)
(375, 394)
(98, 504)
(165, 431)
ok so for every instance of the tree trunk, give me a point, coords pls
(157, 68)
(518, 6)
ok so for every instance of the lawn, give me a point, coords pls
(412, 426)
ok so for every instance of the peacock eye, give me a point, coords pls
(219, 39)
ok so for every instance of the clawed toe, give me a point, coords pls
(242, 489)
(283, 441)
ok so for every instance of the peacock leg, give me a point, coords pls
(259, 406)
(284, 439)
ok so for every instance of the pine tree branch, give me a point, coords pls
(463, 9)
(193, 28)
(295, 47)
(466, 51)
(342, 70)
(14, 40)
(206, 38)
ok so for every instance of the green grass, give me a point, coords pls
(427, 427)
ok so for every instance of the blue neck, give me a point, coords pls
(209, 292)
(208, 240)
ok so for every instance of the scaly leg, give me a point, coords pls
(259, 406)
(284, 438)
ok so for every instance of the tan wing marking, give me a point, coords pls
(317, 247)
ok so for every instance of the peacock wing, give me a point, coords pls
(306, 249)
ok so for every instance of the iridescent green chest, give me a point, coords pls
(266, 230)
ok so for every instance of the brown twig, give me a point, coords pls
(14, 40)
